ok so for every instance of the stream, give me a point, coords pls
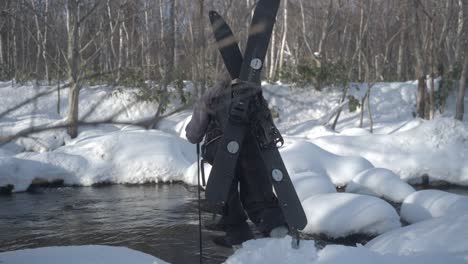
(157, 219)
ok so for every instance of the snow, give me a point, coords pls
(175, 124)
(342, 214)
(278, 251)
(308, 184)
(446, 235)
(374, 167)
(427, 204)
(270, 250)
(302, 156)
(382, 183)
(127, 156)
(78, 255)
(437, 148)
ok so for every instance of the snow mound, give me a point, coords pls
(355, 131)
(448, 234)
(279, 251)
(133, 156)
(427, 204)
(308, 184)
(302, 156)
(437, 148)
(337, 254)
(78, 255)
(176, 123)
(342, 214)
(382, 183)
(22, 172)
(270, 250)
(191, 174)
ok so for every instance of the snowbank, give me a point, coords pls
(268, 250)
(382, 183)
(427, 204)
(78, 255)
(175, 124)
(342, 214)
(437, 148)
(133, 156)
(102, 100)
(301, 109)
(445, 235)
(278, 251)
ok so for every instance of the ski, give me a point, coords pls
(223, 169)
(228, 152)
(227, 44)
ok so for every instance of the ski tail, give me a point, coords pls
(263, 20)
(227, 44)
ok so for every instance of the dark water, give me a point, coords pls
(161, 220)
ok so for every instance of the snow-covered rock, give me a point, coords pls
(438, 148)
(382, 183)
(308, 184)
(78, 255)
(21, 172)
(448, 234)
(302, 156)
(427, 204)
(342, 214)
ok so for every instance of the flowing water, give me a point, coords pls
(161, 220)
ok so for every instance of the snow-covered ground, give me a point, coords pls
(78, 255)
(374, 167)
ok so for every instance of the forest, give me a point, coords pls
(153, 44)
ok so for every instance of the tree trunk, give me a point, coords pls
(369, 110)
(146, 47)
(361, 116)
(304, 35)
(460, 26)
(421, 97)
(401, 55)
(201, 43)
(44, 42)
(402, 44)
(73, 27)
(461, 90)
(283, 41)
(326, 24)
(431, 93)
(417, 41)
(272, 54)
(121, 51)
(38, 39)
(343, 98)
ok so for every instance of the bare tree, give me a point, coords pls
(74, 60)
(461, 91)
